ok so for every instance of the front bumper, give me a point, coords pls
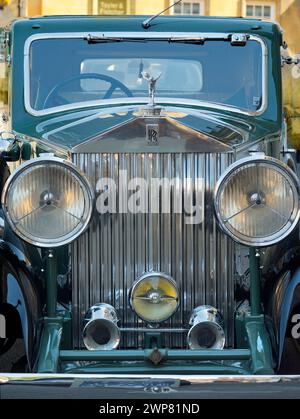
(130, 386)
(256, 360)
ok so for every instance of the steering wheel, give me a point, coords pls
(114, 84)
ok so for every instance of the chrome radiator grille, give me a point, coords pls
(118, 248)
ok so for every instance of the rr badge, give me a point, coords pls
(152, 134)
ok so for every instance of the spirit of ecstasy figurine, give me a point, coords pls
(152, 85)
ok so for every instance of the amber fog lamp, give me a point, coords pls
(257, 201)
(154, 297)
(47, 202)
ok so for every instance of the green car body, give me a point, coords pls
(41, 279)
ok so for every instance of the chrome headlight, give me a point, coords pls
(154, 297)
(47, 202)
(257, 201)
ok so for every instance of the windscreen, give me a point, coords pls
(73, 71)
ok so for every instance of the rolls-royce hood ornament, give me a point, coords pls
(151, 109)
(152, 85)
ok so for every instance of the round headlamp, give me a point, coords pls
(154, 297)
(257, 201)
(47, 202)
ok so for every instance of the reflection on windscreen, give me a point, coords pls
(176, 76)
(71, 71)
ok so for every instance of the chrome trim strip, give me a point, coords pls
(143, 100)
(149, 330)
(6, 378)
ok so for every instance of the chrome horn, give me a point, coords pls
(206, 330)
(101, 331)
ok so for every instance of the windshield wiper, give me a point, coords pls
(197, 41)
(104, 39)
(236, 39)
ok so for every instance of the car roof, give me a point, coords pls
(75, 23)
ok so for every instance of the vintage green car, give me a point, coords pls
(150, 200)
